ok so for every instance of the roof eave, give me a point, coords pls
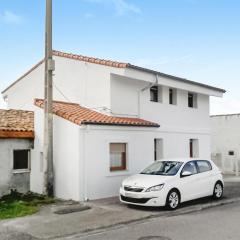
(119, 124)
(175, 78)
(17, 134)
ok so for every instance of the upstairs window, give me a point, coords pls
(21, 159)
(118, 159)
(192, 100)
(154, 94)
(172, 96)
(231, 153)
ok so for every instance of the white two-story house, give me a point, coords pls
(111, 120)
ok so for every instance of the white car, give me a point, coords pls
(170, 182)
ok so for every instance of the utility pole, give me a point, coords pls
(48, 97)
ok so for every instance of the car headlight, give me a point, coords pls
(155, 188)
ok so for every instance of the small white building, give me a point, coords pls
(225, 141)
(111, 120)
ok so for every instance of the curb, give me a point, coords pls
(188, 210)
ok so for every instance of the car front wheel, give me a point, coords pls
(173, 200)
(218, 190)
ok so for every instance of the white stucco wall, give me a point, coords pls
(66, 157)
(75, 81)
(21, 94)
(100, 182)
(225, 136)
(126, 96)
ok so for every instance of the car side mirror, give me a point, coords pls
(186, 174)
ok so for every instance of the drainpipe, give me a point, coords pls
(144, 89)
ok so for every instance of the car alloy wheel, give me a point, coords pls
(173, 200)
(218, 191)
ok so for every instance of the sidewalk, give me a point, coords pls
(104, 213)
(231, 178)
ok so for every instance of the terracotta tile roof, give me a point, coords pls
(91, 59)
(81, 115)
(16, 124)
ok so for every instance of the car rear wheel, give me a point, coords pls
(218, 190)
(173, 200)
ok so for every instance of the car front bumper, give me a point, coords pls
(151, 199)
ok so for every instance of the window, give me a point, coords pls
(172, 96)
(204, 166)
(158, 149)
(231, 153)
(193, 148)
(154, 94)
(20, 159)
(192, 100)
(190, 167)
(118, 156)
(166, 168)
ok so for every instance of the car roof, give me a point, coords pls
(181, 159)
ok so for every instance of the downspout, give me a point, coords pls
(144, 89)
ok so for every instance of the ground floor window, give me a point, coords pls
(193, 148)
(118, 161)
(158, 148)
(21, 159)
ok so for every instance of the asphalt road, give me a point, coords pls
(219, 223)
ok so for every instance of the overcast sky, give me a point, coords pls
(195, 39)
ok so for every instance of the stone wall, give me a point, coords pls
(9, 178)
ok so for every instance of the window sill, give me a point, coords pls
(155, 101)
(21, 171)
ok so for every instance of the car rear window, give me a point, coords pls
(204, 166)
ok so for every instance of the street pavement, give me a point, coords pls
(219, 223)
(104, 214)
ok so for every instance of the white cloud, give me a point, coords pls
(121, 7)
(11, 18)
(88, 15)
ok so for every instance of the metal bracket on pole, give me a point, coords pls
(51, 65)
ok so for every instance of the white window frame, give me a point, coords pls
(126, 172)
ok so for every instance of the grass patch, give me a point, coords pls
(18, 205)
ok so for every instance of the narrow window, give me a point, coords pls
(154, 94)
(118, 156)
(172, 96)
(158, 148)
(231, 153)
(193, 148)
(192, 100)
(20, 159)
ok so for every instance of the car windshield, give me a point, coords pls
(166, 168)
